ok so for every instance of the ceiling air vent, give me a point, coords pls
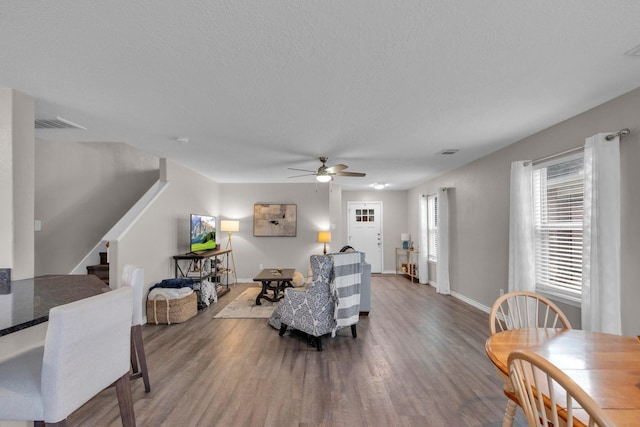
(448, 151)
(57, 123)
(633, 52)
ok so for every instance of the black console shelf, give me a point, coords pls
(193, 265)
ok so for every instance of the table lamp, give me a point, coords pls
(324, 237)
(405, 237)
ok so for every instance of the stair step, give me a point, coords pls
(99, 270)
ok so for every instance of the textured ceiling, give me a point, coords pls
(259, 86)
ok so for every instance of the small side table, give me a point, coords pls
(409, 267)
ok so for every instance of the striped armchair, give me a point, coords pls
(329, 303)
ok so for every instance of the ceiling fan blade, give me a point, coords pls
(331, 171)
(336, 168)
(356, 174)
(297, 176)
(303, 170)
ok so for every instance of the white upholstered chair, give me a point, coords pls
(547, 394)
(134, 277)
(518, 310)
(86, 350)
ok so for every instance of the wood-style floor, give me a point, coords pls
(418, 360)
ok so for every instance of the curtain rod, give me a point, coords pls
(620, 133)
(553, 156)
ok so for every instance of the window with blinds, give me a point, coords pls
(432, 227)
(558, 214)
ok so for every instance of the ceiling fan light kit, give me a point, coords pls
(326, 173)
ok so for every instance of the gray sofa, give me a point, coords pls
(365, 290)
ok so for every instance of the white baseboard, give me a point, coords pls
(431, 283)
(462, 298)
(471, 302)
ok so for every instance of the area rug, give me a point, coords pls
(244, 307)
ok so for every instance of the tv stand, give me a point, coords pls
(193, 265)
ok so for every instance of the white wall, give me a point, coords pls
(394, 212)
(313, 209)
(6, 178)
(337, 227)
(318, 207)
(16, 211)
(16, 183)
(479, 200)
(163, 230)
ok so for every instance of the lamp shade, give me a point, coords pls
(323, 178)
(324, 236)
(228, 225)
(405, 237)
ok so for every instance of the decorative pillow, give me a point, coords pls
(298, 279)
(208, 293)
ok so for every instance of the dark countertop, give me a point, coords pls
(28, 301)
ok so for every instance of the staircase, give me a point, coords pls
(100, 270)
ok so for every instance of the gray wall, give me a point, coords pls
(320, 207)
(479, 214)
(81, 190)
(313, 207)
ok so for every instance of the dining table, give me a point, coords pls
(26, 303)
(606, 366)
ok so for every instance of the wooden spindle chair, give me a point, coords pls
(518, 310)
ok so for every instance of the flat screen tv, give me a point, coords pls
(203, 232)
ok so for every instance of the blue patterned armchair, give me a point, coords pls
(329, 303)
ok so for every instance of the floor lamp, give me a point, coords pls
(231, 226)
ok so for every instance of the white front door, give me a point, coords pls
(365, 231)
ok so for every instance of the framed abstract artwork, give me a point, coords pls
(274, 220)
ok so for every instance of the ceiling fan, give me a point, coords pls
(326, 173)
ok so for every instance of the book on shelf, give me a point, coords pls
(192, 273)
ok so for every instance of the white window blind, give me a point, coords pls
(558, 215)
(432, 227)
